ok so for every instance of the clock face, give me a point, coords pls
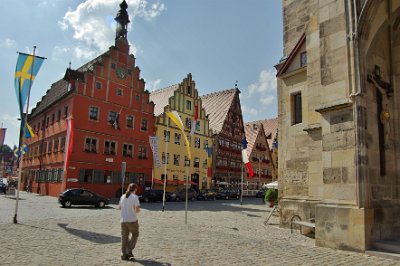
(121, 73)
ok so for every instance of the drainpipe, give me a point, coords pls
(354, 79)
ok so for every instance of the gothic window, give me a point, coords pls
(296, 108)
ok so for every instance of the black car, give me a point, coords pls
(81, 196)
(207, 194)
(180, 195)
(3, 188)
(228, 193)
(261, 193)
(152, 195)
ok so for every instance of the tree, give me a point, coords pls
(5, 148)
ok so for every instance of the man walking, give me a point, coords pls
(129, 206)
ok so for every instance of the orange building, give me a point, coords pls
(112, 121)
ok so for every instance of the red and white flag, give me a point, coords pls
(68, 141)
(196, 117)
(245, 158)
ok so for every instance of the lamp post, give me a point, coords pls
(259, 170)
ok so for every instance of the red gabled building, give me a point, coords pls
(112, 121)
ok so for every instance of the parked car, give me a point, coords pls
(3, 188)
(152, 195)
(181, 195)
(228, 193)
(261, 193)
(81, 196)
(207, 194)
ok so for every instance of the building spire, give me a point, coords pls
(122, 20)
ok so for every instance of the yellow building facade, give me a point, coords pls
(172, 149)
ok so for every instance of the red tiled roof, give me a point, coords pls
(217, 105)
(270, 128)
(161, 98)
(251, 130)
(60, 87)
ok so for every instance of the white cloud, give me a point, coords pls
(7, 43)
(267, 99)
(10, 120)
(266, 83)
(153, 85)
(92, 24)
(84, 53)
(59, 51)
(249, 111)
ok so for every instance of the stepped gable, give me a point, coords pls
(59, 89)
(270, 128)
(251, 130)
(161, 98)
(217, 105)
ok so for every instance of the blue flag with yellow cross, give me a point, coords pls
(25, 72)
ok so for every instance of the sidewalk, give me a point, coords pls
(217, 233)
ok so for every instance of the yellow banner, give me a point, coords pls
(174, 116)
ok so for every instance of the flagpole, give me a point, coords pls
(187, 185)
(165, 162)
(22, 138)
(241, 192)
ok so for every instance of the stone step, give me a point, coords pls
(382, 254)
(386, 249)
(391, 246)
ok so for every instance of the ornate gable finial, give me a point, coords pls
(122, 20)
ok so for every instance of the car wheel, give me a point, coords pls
(101, 204)
(146, 199)
(67, 204)
(226, 197)
(177, 199)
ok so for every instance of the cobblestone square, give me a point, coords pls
(217, 233)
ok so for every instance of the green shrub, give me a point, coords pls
(271, 195)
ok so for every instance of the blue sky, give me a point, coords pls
(218, 41)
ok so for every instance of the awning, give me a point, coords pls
(158, 181)
(272, 185)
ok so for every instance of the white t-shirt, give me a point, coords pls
(128, 205)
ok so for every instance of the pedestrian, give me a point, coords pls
(130, 207)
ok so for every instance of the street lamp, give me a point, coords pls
(259, 170)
